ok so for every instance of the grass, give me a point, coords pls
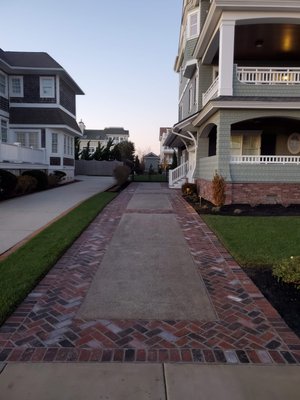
(23, 269)
(257, 241)
(150, 178)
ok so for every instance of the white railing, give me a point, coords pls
(265, 160)
(211, 92)
(268, 76)
(178, 173)
(19, 154)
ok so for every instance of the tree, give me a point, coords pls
(77, 151)
(98, 154)
(85, 154)
(137, 165)
(174, 160)
(124, 151)
(107, 152)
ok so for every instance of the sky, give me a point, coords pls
(120, 52)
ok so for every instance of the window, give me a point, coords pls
(16, 86)
(195, 92)
(3, 85)
(3, 136)
(54, 147)
(68, 145)
(193, 25)
(190, 98)
(47, 87)
(28, 139)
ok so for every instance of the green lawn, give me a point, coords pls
(23, 269)
(257, 241)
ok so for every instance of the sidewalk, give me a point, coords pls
(22, 216)
(148, 285)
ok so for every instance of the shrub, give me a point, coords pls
(288, 270)
(121, 174)
(189, 189)
(40, 176)
(26, 184)
(8, 182)
(218, 190)
(53, 180)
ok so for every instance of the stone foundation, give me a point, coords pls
(254, 193)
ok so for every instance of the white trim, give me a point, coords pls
(184, 90)
(5, 94)
(42, 105)
(52, 94)
(20, 77)
(42, 126)
(252, 159)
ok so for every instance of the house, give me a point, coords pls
(151, 162)
(94, 136)
(166, 153)
(37, 113)
(239, 99)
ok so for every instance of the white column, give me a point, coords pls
(226, 55)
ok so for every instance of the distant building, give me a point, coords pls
(166, 153)
(94, 136)
(37, 113)
(151, 160)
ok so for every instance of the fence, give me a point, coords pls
(94, 167)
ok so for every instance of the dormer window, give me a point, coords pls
(16, 86)
(47, 87)
(192, 25)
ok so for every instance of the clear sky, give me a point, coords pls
(120, 52)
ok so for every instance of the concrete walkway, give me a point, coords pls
(22, 216)
(81, 333)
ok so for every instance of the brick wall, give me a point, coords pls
(254, 193)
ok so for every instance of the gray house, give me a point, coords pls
(239, 99)
(37, 113)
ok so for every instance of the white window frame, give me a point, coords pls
(42, 87)
(11, 93)
(190, 26)
(54, 143)
(26, 134)
(4, 130)
(4, 93)
(191, 97)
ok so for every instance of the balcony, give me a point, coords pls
(265, 159)
(211, 92)
(17, 154)
(268, 76)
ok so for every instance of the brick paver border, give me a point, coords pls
(248, 328)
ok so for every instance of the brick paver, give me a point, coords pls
(248, 329)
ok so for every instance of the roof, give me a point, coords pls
(163, 130)
(101, 134)
(151, 155)
(42, 117)
(26, 62)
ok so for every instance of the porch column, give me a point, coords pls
(226, 56)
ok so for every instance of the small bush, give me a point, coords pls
(8, 182)
(288, 270)
(40, 176)
(218, 190)
(53, 180)
(189, 189)
(121, 174)
(26, 184)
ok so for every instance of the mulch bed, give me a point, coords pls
(285, 298)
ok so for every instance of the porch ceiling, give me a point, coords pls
(270, 42)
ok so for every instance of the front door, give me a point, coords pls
(268, 144)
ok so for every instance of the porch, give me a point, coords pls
(13, 155)
(259, 81)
